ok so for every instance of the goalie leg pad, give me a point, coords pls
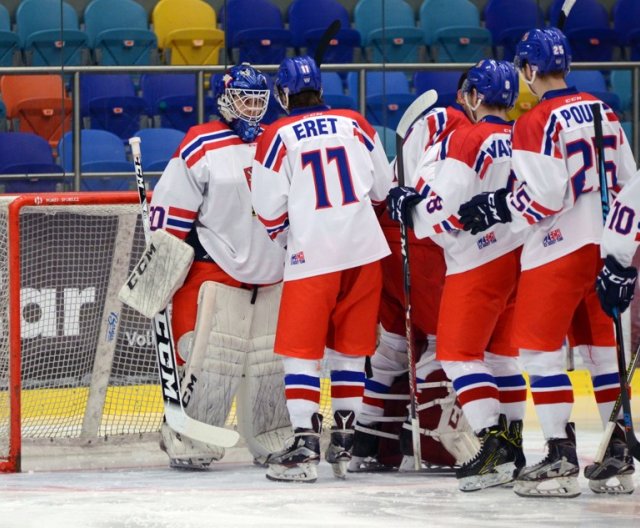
(158, 274)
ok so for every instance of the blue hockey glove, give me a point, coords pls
(400, 203)
(485, 210)
(615, 286)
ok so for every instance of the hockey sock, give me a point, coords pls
(347, 381)
(551, 390)
(601, 363)
(511, 384)
(302, 390)
(477, 392)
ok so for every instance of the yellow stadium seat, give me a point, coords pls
(186, 31)
(525, 102)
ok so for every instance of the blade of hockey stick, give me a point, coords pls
(415, 110)
(174, 411)
(567, 6)
(325, 40)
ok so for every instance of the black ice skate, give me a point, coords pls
(338, 452)
(364, 455)
(494, 464)
(299, 461)
(556, 475)
(515, 436)
(614, 474)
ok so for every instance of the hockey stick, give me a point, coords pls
(174, 412)
(564, 12)
(632, 441)
(415, 110)
(325, 40)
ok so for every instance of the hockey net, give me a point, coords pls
(78, 369)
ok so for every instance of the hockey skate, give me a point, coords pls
(338, 452)
(185, 453)
(364, 455)
(299, 461)
(556, 475)
(494, 464)
(515, 436)
(614, 474)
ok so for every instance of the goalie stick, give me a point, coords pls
(623, 398)
(174, 412)
(415, 110)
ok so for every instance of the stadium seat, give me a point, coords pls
(186, 31)
(256, 29)
(172, 97)
(9, 41)
(388, 138)
(118, 33)
(110, 102)
(309, 19)
(452, 30)
(158, 145)
(100, 151)
(626, 22)
(508, 20)
(593, 82)
(333, 92)
(274, 110)
(443, 82)
(398, 41)
(38, 103)
(588, 31)
(26, 153)
(621, 86)
(627, 126)
(38, 24)
(387, 96)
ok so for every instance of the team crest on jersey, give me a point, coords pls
(552, 237)
(486, 240)
(297, 258)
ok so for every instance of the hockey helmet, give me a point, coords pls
(296, 75)
(545, 50)
(242, 97)
(496, 83)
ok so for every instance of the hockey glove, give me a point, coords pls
(615, 286)
(400, 203)
(485, 210)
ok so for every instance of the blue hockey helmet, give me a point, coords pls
(496, 83)
(296, 75)
(242, 97)
(545, 50)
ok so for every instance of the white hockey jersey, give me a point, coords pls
(315, 176)
(471, 160)
(557, 194)
(621, 234)
(206, 186)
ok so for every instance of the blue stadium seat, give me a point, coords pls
(100, 151)
(621, 86)
(333, 92)
(256, 28)
(627, 126)
(443, 82)
(172, 97)
(626, 22)
(111, 103)
(9, 41)
(398, 41)
(119, 33)
(387, 96)
(23, 152)
(388, 138)
(508, 20)
(588, 31)
(452, 30)
(38, 25)
(158, 145)
(309, 19)
(593, 82)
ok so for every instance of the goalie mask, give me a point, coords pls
(296, 75)
(496, 83)
(242, 97)
(545, 50)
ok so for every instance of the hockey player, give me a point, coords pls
(556, 207)
(224, 315)
(390, 359)
(482, 271)
(315, 177)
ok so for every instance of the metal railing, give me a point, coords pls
(203, 71)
